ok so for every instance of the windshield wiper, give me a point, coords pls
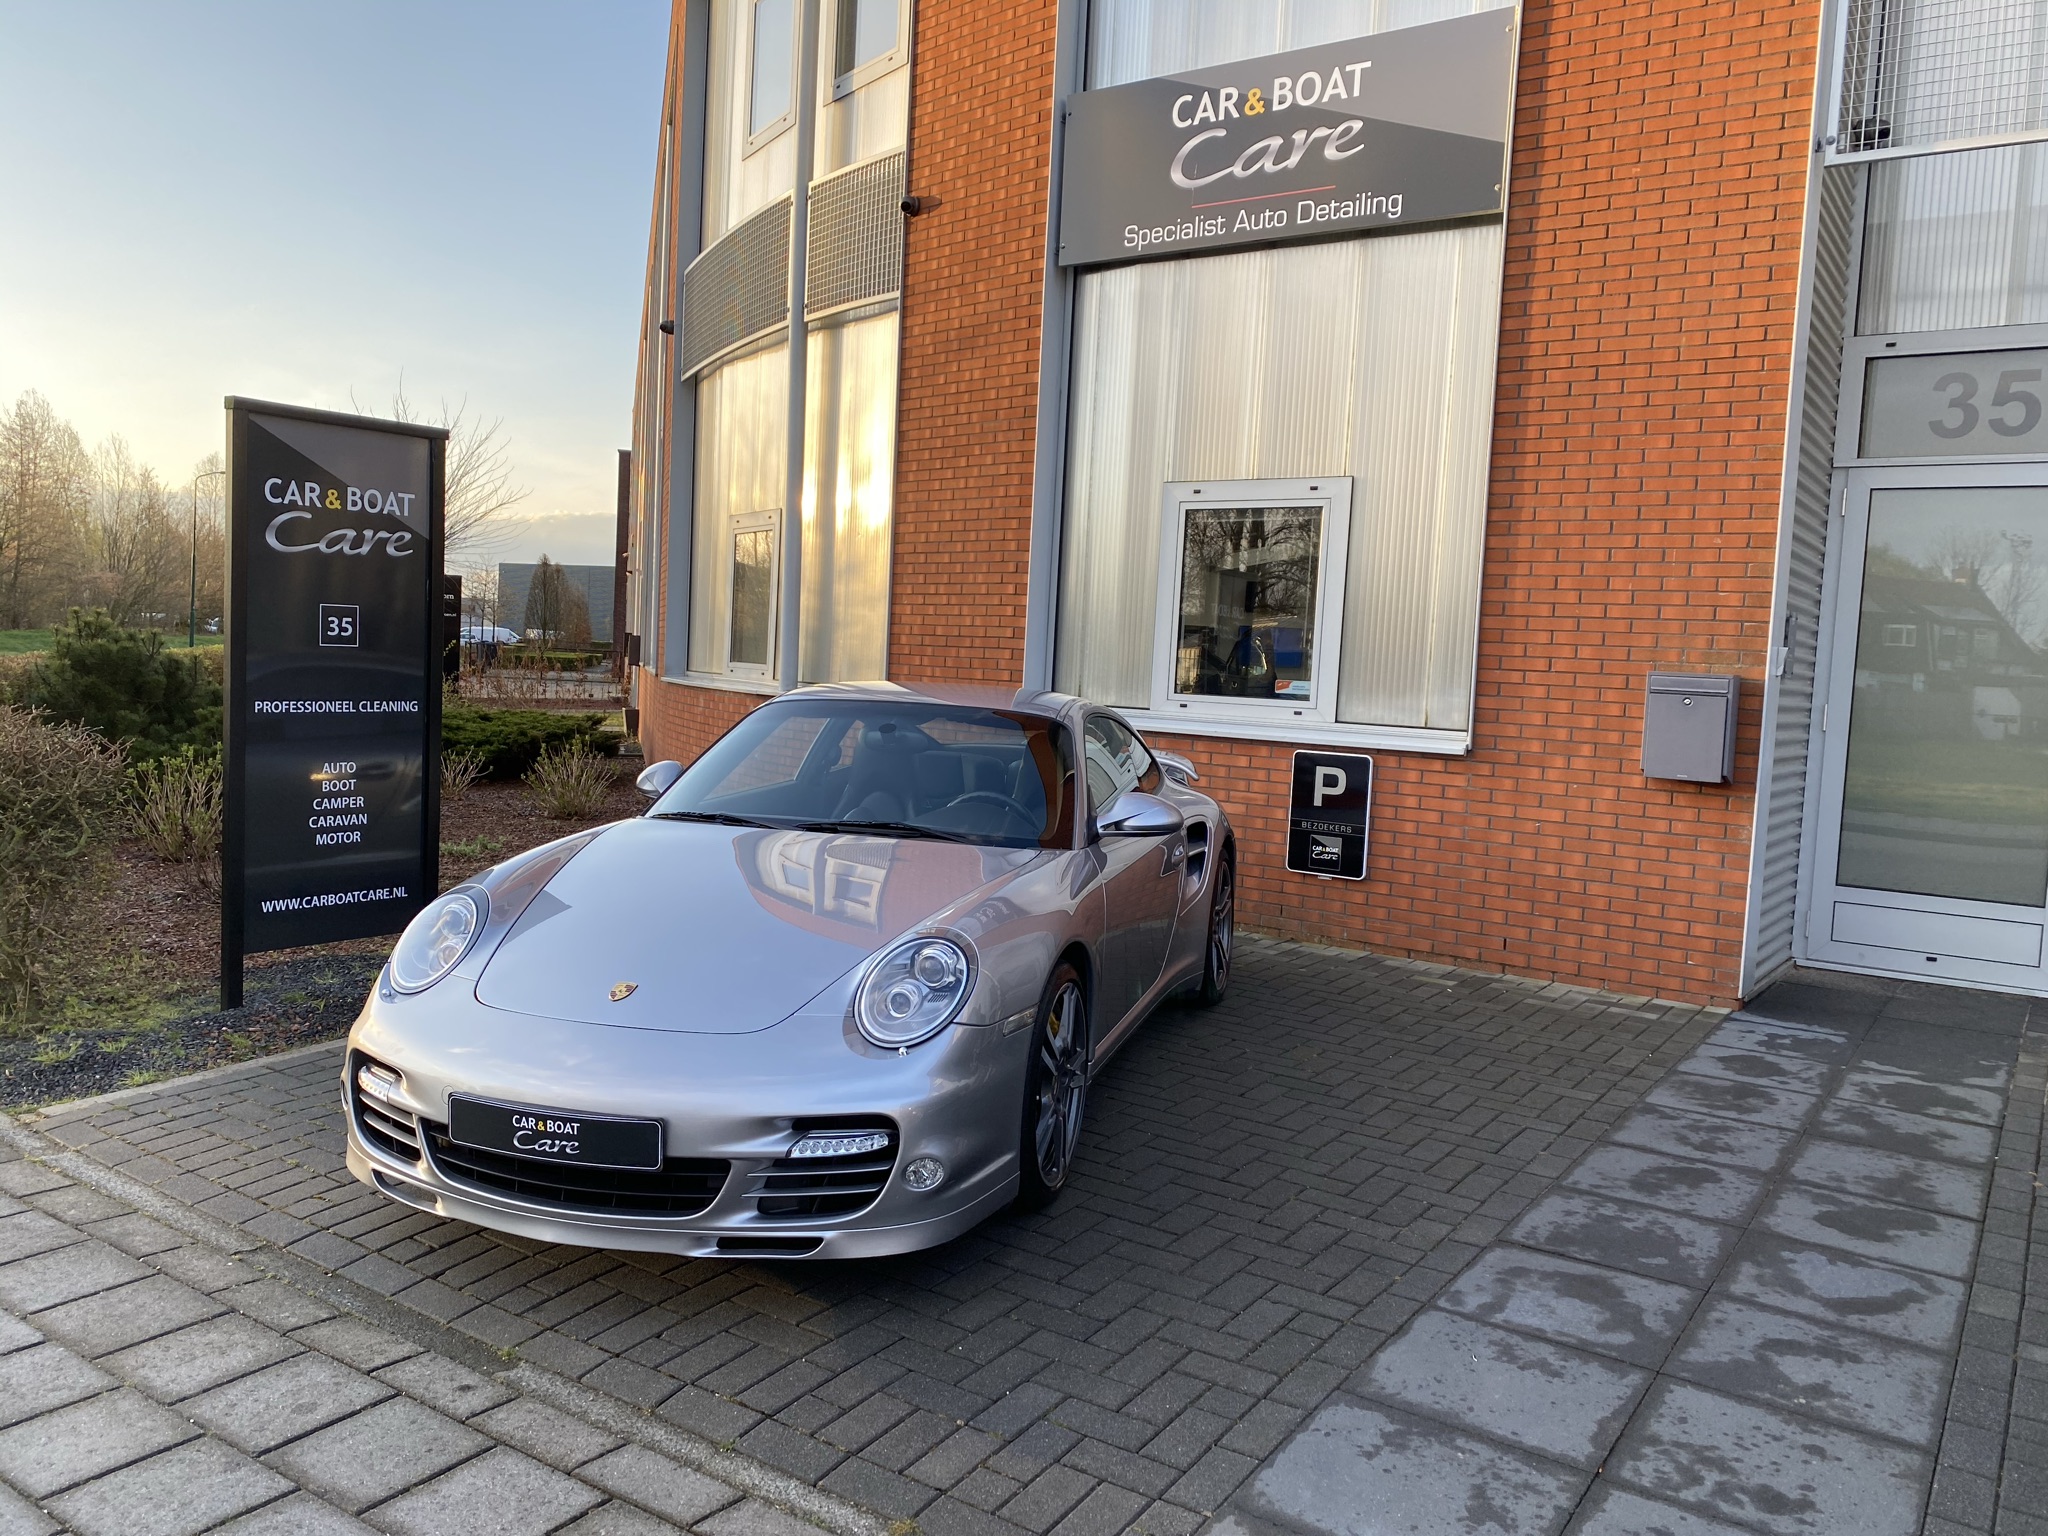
(720, 817)
(903, 828)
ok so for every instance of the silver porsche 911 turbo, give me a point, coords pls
(839, 993)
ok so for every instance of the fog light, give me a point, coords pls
(378, 1082)
(924, 1173)
(839, 1143)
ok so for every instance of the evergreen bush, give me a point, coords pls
(510, 741)
(127, 685)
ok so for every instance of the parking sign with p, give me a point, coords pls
(1329, 814)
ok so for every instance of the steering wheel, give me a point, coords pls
(991, 797)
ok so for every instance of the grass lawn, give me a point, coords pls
(19, 642)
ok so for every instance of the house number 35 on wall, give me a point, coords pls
(1963, 415)
(1955, 404)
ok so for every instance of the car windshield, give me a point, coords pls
(911, 769)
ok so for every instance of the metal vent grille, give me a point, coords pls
(737, 289)
(856, 236)
(1917, 76)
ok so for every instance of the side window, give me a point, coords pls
(1116, 761)
(770, 105)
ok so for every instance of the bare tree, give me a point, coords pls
(206, 535)
(43, 495)
(556, 608)
(136, 546)
(480, 486)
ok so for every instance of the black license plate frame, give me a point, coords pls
(568, 1137)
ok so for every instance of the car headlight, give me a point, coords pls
(912, 992)
(437, 939)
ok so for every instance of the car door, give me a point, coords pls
(1141, 876)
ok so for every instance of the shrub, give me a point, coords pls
(127, 685)
(177, 806)
(459, 771)
(14, 675)
(510, 741)
(61, 803)
(569, 784)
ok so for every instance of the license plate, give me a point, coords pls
(555, 1135)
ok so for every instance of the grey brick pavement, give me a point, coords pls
(151, 1385)
(1793, 1293)
(1266, 1194)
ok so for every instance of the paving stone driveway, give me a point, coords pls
(1267, 1193)
(154, 1385)
(1775, 1298)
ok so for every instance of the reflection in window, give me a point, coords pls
(865, 31)
(753, 597)
(1248, 602)
(1115, 761)
(1945, 790)
(774, 45)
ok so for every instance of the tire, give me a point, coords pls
(1220, 945)
(1055, 1090)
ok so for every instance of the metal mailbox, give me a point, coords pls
(1689, 727)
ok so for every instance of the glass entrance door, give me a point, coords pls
(1931, 853)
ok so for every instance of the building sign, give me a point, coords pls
(1955, 404)
(333, 679)
(1399, 128)
(1329, 814)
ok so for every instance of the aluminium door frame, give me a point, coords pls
(1827, 752)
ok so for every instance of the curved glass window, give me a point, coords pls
(954, 772)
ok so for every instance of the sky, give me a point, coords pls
(317, 203)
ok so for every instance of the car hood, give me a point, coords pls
(720, 930)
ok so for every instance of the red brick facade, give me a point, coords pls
(1658, 183)
(973, 286)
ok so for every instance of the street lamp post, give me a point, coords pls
(192, 603)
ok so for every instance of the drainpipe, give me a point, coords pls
(789, 609)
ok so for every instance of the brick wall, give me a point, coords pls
(980, 127)
(679, 721)
(1652, 261)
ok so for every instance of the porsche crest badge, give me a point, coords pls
(623, 990)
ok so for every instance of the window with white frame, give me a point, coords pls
(1251, 599)
(771, 89)
(750, 593)
(867, 39)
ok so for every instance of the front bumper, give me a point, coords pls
(739, 1101)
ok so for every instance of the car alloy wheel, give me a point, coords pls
(1056, 1090)
(1222, 936)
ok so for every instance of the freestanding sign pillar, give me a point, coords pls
(333, 728)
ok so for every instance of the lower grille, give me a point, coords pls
(793, 1188)
(682, 1186)
(384, 1126)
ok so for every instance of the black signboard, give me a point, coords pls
(1329, 814)
(1400, 128)
(334, 637)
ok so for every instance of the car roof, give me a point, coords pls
(1034, 701)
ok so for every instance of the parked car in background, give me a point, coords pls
(839, 993)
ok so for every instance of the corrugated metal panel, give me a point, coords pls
(736, 290)
(849, 491)
(740, 439)
(1138, 39)
(1955, 241)
(1775, 893)
(1369, 358)
(855, 238)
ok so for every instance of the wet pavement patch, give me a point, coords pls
(1741, 1311)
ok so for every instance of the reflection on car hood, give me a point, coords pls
(721, 930)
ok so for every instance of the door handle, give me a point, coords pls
(1175, 856)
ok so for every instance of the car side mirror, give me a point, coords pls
(1137, 814)
(1177, 768)
(656, 779)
